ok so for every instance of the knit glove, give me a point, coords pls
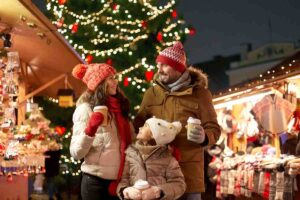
(151, 193)
(132, 193)
(196, 135)
(94, 122)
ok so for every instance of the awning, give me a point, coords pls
(40, 46)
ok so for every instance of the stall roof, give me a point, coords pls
(287, 68)
(39, 45)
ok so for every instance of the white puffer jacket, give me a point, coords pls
(101, 153)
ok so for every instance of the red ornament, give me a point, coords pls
(109, 61)
(192, 31)
(28, 136)
(115, 6)
(149, 75)
(60, 23)
(159, 36)
(89, 59)
(62, 2)
(144, 24)
(41, 136)
(74, 28)
(60, 130)
(174, 13)
(126, 81)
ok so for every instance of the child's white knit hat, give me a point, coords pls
(163, 132)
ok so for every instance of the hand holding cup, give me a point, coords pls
(103, 110)
(195, 131)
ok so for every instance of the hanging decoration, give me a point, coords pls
(60, 130)
(109, 61)
(74, 28)
(192, 31)
(60, 23)
(149, 75)
(89, 59)
(62, 2)
(174, 13)
(65, 97)
(144, 24)
(115, 6)
(126, 81)
(159, 36)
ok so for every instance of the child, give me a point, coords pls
(150, 162)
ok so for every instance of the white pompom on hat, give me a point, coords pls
(163, 132)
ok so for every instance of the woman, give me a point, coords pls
(101, 146)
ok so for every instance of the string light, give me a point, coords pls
(292, 66)
(93, 17)
(125, 33)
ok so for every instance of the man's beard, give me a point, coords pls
(167, 79)
(163, 78)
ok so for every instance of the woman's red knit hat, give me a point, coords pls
(173, 56)
(93, 74)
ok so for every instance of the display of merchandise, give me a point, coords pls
(254, 167)
(22, 147)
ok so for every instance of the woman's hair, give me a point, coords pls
(100, 95)
(124, 102)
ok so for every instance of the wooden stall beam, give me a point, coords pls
(42, 88)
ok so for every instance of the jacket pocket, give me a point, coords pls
(187, 107)
(155, 109)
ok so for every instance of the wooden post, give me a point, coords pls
(277, 145)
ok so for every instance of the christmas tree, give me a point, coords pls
(127, 34)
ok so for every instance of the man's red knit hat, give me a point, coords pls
(93, 74)
(173, 56)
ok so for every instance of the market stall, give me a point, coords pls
(34, 60)
(254, 157)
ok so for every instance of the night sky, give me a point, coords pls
(223, 26)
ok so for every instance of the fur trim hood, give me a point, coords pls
(198, 77)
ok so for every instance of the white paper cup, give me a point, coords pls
(103, 110)
(192, 123)
(141, 185)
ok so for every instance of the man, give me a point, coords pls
(180, 93)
